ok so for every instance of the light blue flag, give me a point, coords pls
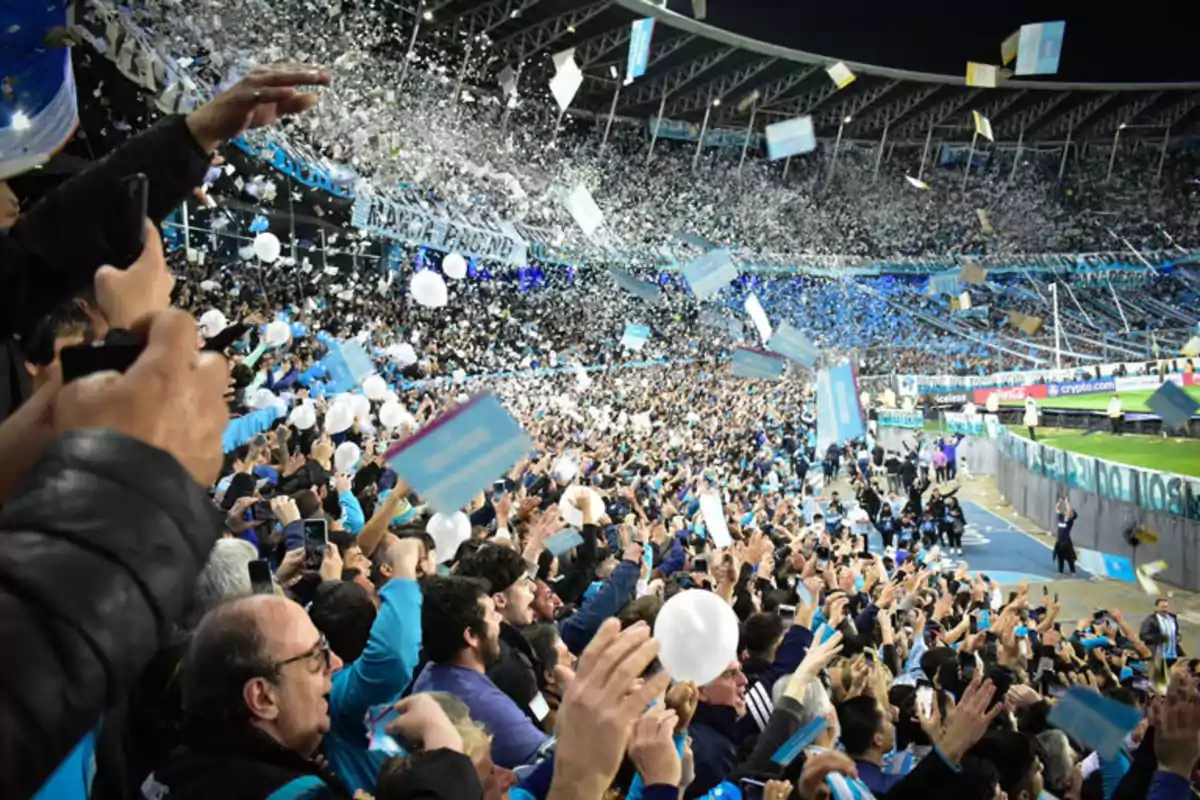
(564, 540)
(1040, 47)
(792, 137)
(710, 273)
(757, 365)
(1094, 720)
(696, 240)
(635, 336)
(646, 291)
(460, 453)
(839, 415)
(789, 342)
(1107, 565)
(639, 48)
(348, 365)
(1173, 404)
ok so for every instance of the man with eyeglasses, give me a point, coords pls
(714, 729)
(254, 700)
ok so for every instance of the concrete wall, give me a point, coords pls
(1102, 521)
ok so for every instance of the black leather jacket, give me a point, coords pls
(99, 551)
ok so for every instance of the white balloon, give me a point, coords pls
(278, 333)
(375, 387)
(572, 515)
(448, 532)
(212, 322)
(360, 405)
(263, 398)
(993, 402)
(303, 416)
(455, 266)
(339, 418)
(267, 246)
(428, 289)
(698, 632)
(246, 253)
(390, 397)
(346, 457)
(459, 375)
(392, 415)
(404, 354)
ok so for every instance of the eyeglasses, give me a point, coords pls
(321, 650)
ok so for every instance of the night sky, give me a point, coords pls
(1125, 42)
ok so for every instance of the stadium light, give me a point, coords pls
(20, 122)
(717, 103)
(847, 120)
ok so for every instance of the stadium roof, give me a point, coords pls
(694, 66)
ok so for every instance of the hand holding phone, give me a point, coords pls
(316, 539)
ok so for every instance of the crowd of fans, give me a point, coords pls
(266, 609)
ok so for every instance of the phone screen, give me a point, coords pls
(260, 577)
(261, 510)
(925, 701)
(316, 538)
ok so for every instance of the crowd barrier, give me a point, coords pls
(1109, 498)
(1060, 381)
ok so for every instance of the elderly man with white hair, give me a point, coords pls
(225, 576)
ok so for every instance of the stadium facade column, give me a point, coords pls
(187, 227)
(749, 133)
(1057, 328)
(1062, 165)
(970, 158)
(837, 143)
(462, 66)
(1162, 156)
(612, 112)
(879, 155)
(1112, 157)
(925, 153)
(662, 105)
(1017, 159)
(412, 43)
(708, 107)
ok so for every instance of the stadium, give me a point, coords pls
(844, 369)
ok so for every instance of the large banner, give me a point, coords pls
(900, 418)
(397, 219)
(1148, 488)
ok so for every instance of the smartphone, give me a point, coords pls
(925, 701)
(966, 666)
(261, 581)
(498, 488)
(125, 226)
(316, 539)
(116, 353)
(787, 613)
(261, 510)
(700, 563)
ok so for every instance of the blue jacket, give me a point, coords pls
(379, 675)
(516, 739)
(579, 628)
(353, 518)
(714, 747)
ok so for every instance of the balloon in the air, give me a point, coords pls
(278, 333)
(404, 354)
(346, 457)
(448, 532)
(263, 398)
(455, 266)
(212, 322)
(698, 632)
(303, 416)
(375, 387)
(339, 418)
(428, 289)
(267, 247)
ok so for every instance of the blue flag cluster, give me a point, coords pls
(756, 364)
(710, 273)
(791, 137)
(839, 414)
(460, 453)
(347, 364)
(1173, 404)
(639, 48)
(635, 336)
(791, 343)
(646, 291)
